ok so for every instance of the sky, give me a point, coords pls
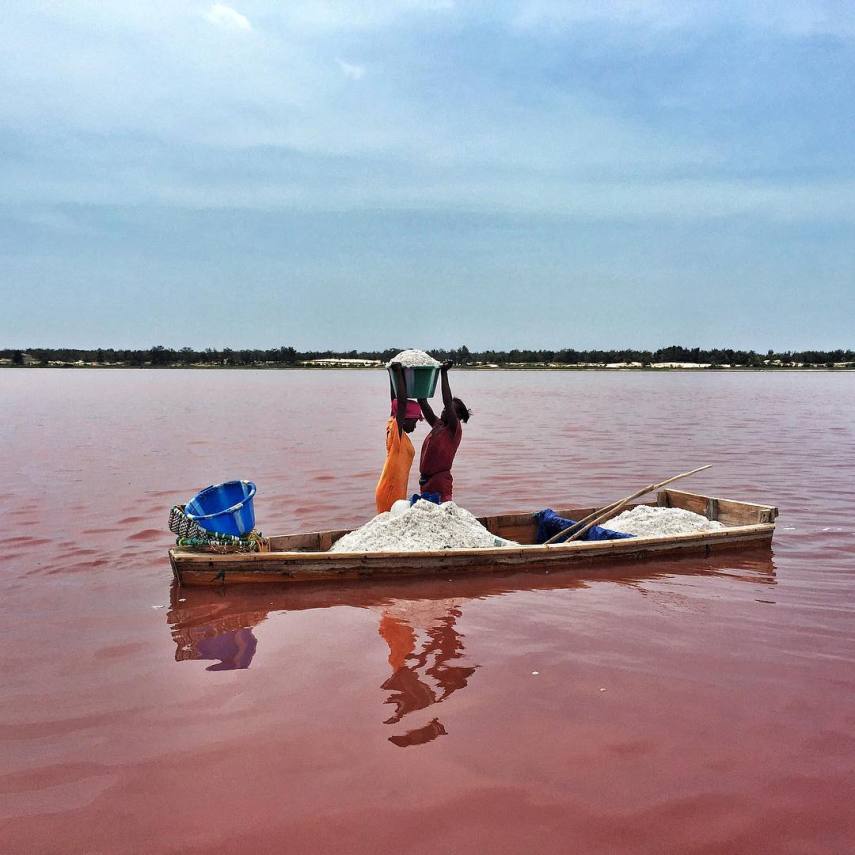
(427, 173)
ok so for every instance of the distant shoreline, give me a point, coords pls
(671, 358)
(650, 369)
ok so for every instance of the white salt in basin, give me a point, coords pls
(414, 359)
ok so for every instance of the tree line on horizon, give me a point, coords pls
(160, 356)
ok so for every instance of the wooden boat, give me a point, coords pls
(306, 557)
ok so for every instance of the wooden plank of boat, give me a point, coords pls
(305, 556)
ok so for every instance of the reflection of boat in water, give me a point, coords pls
(417, 619)
(305, 557)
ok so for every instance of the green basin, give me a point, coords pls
(421, 382)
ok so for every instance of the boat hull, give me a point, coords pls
(305, 557)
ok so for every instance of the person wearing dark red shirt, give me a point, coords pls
(441, 443)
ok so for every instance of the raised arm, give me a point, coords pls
(401, 383)
(427, 412)
(449, 414)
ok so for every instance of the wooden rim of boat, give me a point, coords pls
(305, 556)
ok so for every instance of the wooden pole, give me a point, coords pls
(579, 528)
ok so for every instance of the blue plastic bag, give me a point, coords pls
(549, 524)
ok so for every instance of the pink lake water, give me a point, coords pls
(699, 705)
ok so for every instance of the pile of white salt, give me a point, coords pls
(645, 521)
(414, 359)
(422, 527)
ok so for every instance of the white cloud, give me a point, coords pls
(362, 15)
(163, 81)
(350, 70)
(224, 16)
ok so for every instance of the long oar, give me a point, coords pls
(579, 528)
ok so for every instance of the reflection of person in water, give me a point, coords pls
(420, 679)
(424, 644)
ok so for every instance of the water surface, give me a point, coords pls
(697, 705)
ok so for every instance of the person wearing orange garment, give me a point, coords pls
(392, 485)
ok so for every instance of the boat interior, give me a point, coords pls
(521, 527)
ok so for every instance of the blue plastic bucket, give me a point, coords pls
(224, 508)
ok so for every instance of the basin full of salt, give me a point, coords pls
(645, 521)
(423, 527)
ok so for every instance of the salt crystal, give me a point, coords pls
(414, 359)
(424, 527)
(645, 521)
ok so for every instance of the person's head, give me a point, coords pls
(461, 410)
(412, 415)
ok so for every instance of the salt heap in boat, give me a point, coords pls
(422, 527)
(645, 521)
(414, 359)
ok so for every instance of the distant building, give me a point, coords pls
(343, 363)
(680, 365)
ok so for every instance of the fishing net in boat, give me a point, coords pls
(225, 543)
(190, 535)
(182, 526)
